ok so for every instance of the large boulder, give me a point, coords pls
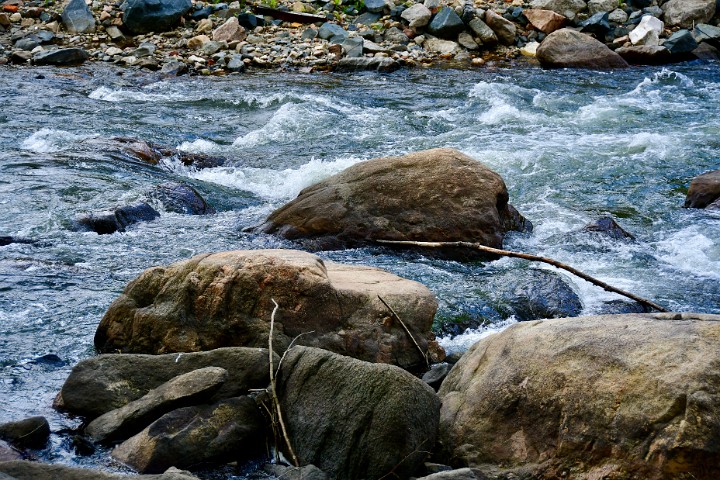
(182, 391)
(446, 24)
(354, 419)
(617, 396)
(645, 54)
(60, 56)
(566, 48)
(229, 430)
(226, 299)
(688, 13)
(433, 195)
(106, 382)
(704, 190)
(25, 470)
(144, 16)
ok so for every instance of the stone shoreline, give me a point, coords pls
(382, 35)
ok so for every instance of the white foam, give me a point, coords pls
(48, 140)
(201, 145)
(274, 184)
(691, 251)
(461, 343)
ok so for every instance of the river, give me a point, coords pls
(571, 146)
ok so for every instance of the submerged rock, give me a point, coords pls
(625, 395)
(225, 299)
(181, 198)
(378, 64)
(609, 227)
(118, 220)
(229, 430)
(566, 48)
(99, 384)
(688, 13)
(433, 195)
(704, 190)
(353, 419)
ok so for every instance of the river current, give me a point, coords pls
(571, 146)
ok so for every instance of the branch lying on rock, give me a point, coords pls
(407, 330)
(534, 258)
(275, 400)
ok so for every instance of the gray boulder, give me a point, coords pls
(707, 33)
(681, 42)
(31, 432)
(8, 453)
(230, 430)
(616, 396)
(184, 390)
(446, 24)
(566, 48)
(106, 382)
(704, 190)
(104, 223)
(688, 13)
(483, 32)
(25, 470)
(417, 15)
(608, 227)
(144, 16)
(567, 8)
(329, 30)
(354, 419)
(181, 198)
(60, 56)
(77, 17)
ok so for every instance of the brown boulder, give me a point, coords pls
(566, 48)
(503, 28)
(225, 299)
(614, 396)
(546, 21)
(433, 195)
(704, 190)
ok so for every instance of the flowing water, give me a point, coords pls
(571, 146)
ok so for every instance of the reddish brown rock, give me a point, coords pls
(546, 21)
(704, 190)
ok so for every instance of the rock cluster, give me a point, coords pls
(178, 36)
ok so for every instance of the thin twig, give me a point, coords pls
(288, 349)
(274, 392)
(407, 330)
(534, 258)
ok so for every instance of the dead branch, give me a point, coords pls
(407, 330)
(275, 400)
(534, 258)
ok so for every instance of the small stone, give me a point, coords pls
(417, 15)
(618, 16)
(530, 49)
(62, 56)
(681, 42)
(112, 51)
(145, 49)
(483, 32)
(442, 47)
(466, 41)
(309, 34)
(329, 30)
(503, 28)
(195, 43)
(204, 26)
(229, 31)
(77, 17)
(174, 68)
(447, 24)
(375, 6)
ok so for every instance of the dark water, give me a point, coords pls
(570, 145)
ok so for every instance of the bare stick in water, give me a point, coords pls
(534, 258)
(273, 391)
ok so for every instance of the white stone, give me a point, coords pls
(112, 51)
(441, 47)
(530, 50)
(647, 32)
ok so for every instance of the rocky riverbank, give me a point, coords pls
(181, 36)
